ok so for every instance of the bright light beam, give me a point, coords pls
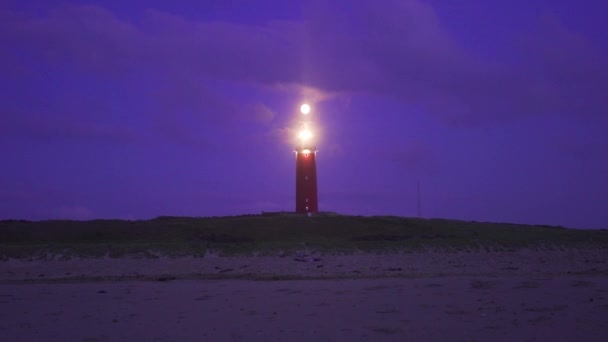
(305, 135)
(305, 109)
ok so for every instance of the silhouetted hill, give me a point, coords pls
(277, 233)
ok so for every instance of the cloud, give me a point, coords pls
(404, 52)
(88, 37)
(191, 114)
(285, 135)
(398, 49)
(566, 70)
(181, 133)
(306, 93)
(261, 113)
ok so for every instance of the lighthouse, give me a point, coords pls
(306, 167)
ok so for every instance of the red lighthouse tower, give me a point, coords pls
(306, 169)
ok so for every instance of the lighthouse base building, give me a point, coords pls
(306, 181)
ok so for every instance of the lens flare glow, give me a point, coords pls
(305, 135)
(305, 109)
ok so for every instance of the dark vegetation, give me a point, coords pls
(266, 234)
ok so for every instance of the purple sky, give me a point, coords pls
(135, 109)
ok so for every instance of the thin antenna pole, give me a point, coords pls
(418, 198)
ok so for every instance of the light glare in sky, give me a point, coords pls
(305, 109)
(305, 135)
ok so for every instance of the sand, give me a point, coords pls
(557, 295)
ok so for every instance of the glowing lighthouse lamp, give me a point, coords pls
(306, 169)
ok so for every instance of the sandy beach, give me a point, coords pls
(527, 295)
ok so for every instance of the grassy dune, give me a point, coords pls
(276, 234)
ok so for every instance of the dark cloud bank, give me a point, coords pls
(399, 50)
